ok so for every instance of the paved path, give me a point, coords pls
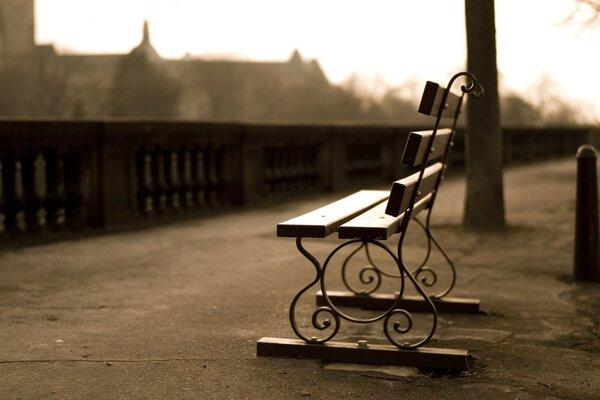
(174, 312)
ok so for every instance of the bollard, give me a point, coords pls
(587, 238)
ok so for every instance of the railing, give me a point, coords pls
(48, 175)
(58, 175)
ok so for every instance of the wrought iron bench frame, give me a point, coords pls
(362, 219)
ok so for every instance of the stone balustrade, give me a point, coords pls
(61, 175)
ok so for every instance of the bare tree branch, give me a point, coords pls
(589, 9)
(593, 4)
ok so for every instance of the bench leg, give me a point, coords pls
(397, 322)
(427, 276)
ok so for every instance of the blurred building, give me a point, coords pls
(39, 82)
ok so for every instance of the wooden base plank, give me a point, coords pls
(424, 357)
(410, 303)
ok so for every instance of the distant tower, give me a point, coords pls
(17, 30)
(145, 47)
(146, 34)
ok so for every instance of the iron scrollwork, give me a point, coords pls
(391, 325)
(318, 324)
(369, 274)
(426, 274)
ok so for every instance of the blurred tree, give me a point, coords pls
(142, 89)
(51, 92)
(589, 9)
(484, 203)
(14, 83)
(398, 108)
(357, 88)
(593, 4)
(551, 105)
(36, 87)
(516, 111)
(379, 102)
(219, 86)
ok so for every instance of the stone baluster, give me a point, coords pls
(159, 194)
(199, 178)
(305, 168)
(309, 160)
(351, 158)
(213, 174)
(75, 208)
(268, 172)
(13, 194)
(2, 211)
(173, 185)
(145, 181)
(284, 168)
(34, 190)
(296, 168)
(186, 178)
(290, 171)
(278, 175)
(55, 187)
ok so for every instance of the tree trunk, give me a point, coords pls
(484, 206)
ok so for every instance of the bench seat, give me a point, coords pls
(376, 224)
(326, 220)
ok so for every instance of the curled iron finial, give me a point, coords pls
(471, 87)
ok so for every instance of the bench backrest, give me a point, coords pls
(363, 214)
(429, 149)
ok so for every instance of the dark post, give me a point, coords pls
(587, 238)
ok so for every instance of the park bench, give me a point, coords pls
(365, 220)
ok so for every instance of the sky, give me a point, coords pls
(384, 42)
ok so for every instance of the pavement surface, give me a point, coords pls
(174, 312)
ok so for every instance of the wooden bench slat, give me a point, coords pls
(432, 98)
(326, 220)
(402, 190)
(417, 142)
(376, 224)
